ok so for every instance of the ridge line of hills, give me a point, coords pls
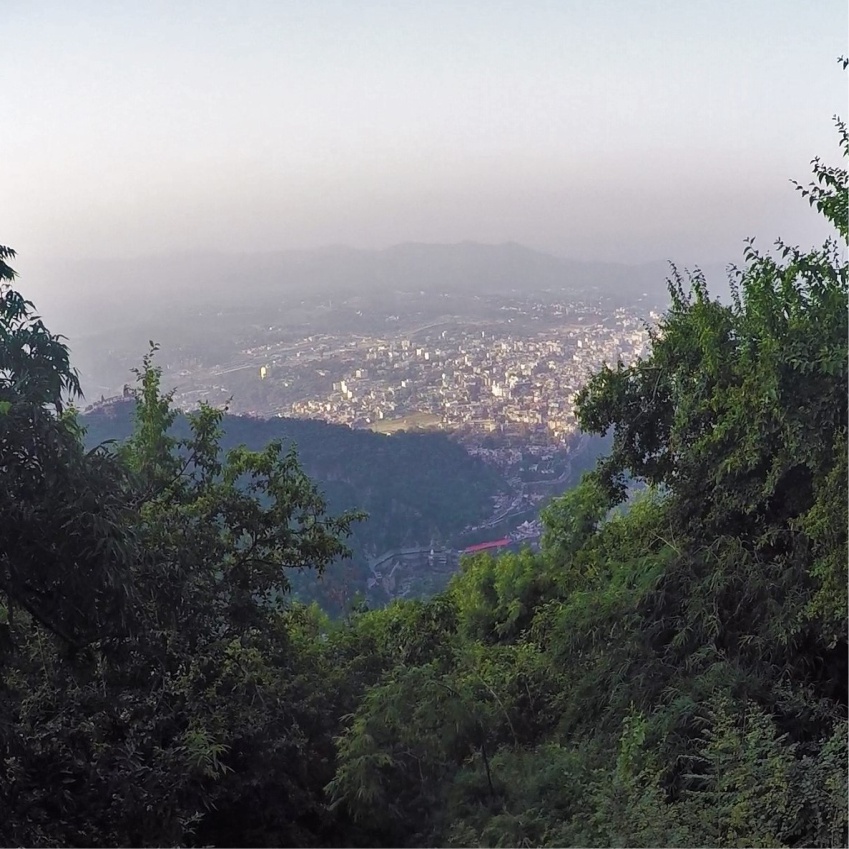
(94, 290)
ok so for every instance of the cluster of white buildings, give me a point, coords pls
(464, 377)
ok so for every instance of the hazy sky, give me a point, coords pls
(598, 129)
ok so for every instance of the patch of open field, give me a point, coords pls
(414, 421)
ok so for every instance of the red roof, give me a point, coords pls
(483, 546)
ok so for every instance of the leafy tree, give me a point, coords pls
(147, 671)
(64, 538)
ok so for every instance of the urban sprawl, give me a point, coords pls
(451, 374)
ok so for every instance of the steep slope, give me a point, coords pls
(414, 486)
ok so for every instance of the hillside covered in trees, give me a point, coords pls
(672, 674)
(414, 487)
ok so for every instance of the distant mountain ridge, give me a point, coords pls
(223, 280)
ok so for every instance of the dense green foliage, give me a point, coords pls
(144, 651)
(667, 672)
(670, 675)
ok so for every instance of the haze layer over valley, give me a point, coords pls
(110, 309)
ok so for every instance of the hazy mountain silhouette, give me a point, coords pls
(90, 291)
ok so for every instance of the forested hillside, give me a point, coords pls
(414, 487)
(408, 483)
(673, 674)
